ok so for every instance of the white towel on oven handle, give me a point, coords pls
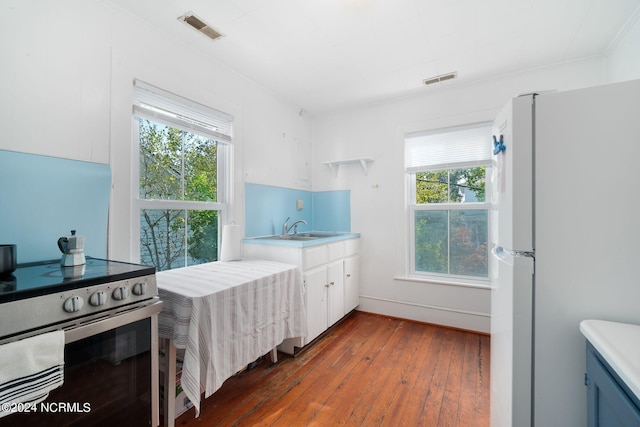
(30, 368)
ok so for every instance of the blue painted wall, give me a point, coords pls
(332, 210)
(267, 207)
(43, 198)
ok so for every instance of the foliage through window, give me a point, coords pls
(181, 181)
(451, 240)
(449, 212)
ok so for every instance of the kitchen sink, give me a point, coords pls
(318, 235)
(301, 236)
(301, 240)
(295, 237)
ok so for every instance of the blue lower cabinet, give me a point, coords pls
(610, 403)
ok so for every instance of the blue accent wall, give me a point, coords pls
(267, 207)
(44, 198)
(332, 210)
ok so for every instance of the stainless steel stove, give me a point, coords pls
(44, 294)
(108, 311)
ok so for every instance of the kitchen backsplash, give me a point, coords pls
(44, 198)
(267, 207)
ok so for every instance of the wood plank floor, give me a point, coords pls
(367, 370)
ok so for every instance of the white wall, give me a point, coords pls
(378, 199)
(622, 59)
(66, 88)
(54, 79)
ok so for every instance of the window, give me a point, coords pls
(182, 181)
(447, 173)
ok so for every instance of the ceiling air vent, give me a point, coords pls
(199, 25)
(440, 78)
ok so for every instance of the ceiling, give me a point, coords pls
(323, 55)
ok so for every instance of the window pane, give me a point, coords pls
(160, 161)
(432, 187)
(431, 241)
(469, 243)
(451, 186)
(201, 160)
(176, 165)
(172, 238)
(203, 236)
(467, 185)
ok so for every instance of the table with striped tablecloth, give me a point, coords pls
(227, 314)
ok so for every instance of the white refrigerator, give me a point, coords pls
(565, 243)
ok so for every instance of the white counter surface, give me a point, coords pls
(619, 344)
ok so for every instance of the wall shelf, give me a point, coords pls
(335, 165)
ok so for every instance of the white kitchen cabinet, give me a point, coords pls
(324, 287)
(315, 290)
(331, 277)
(335, 290)
(351, 283)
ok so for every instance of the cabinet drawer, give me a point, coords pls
(336, 251)
(314, 256)
(318, 255)
(351, 247)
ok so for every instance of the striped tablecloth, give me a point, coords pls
(226, 315)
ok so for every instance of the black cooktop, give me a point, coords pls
(46, 277)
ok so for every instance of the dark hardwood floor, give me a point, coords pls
(367, 370)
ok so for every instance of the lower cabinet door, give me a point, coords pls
(609, 405)
(316, 289)
(335, 281)
(351, 283)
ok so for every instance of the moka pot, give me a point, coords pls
(72, 248)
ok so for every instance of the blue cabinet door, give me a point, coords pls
(610, 402)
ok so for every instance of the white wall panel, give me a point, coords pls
(55, 75)
(623, 61)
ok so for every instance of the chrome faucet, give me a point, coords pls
(287, 228)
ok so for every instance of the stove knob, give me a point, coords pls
(98, 298)
(120, 293)
(73, 304)
(140, 288)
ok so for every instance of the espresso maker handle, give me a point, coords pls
(62, 243)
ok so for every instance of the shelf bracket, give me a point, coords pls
(334, 168)
(364, 165)
(335, 165)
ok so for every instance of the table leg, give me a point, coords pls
(155, 386)
(169, 383)
(274, 355)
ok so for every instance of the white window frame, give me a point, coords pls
(414, 207)
(224, 155)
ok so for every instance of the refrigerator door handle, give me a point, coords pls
(501, 253)
(498, 252)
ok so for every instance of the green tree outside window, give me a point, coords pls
(448, 240)
(182, 166)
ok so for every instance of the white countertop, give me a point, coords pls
(619, 344)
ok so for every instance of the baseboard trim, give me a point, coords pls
(445, 316)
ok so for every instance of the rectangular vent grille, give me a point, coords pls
(200, 26)
(440, 78)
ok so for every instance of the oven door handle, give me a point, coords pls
(105, 324)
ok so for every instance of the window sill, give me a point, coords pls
(435, 281)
